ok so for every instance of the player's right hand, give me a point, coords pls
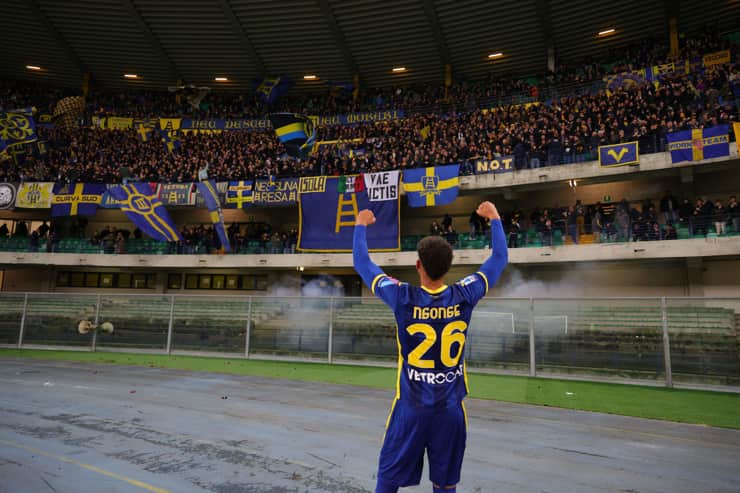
(365, 217)
(488, 210)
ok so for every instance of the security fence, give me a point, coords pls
(686, 340)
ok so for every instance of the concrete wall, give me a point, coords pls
(27, 279)
(653, 277)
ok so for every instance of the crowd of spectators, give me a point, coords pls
(569, 129)
(603, 223)
(462, 94)
(624, 221)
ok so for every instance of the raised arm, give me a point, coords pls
(367, 269)
(382, 285)
(475, 286)
(494, 266)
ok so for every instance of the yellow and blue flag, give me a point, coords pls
(327, 217)
(143, 131)
(171, 139)
(624, 80)
(240, 194)
(145, 210)
(296, 132)
(427, 187)
(17, 128)
(77, 199)
(699, 144)
(207, 189)
(622, 154)
(270, 89)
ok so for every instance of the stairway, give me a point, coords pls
(585, 239)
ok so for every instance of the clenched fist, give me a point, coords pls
(365, 217)
(488, 210)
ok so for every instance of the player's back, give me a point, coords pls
(432, 328)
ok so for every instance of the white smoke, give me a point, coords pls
(516, 283)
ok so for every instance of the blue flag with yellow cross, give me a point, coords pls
(145, 210)
(699, 143)
(426, 187)
(240, 194)
(76, 199)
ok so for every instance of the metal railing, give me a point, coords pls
(685, 340)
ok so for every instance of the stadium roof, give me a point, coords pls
(163, 41)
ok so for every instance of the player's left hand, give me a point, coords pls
(365, 217)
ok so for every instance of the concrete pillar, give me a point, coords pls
(695, 277)
(673, 35)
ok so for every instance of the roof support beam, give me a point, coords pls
(339, 39)
(439, 41)
(152, 39)
(61, 42)
(543, 16)
(244, 40)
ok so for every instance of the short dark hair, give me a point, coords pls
(435, 255)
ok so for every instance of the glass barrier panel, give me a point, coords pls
(704, 340)
(364, 328)
(11, 308)
(599, 337)
(138, 321)
(498, 336)
(295, 327)
(210, 323)
(54, 319)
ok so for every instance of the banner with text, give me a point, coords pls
(327, 217)
(275, 193)
(502, 164)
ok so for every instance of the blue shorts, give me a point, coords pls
(412, 430)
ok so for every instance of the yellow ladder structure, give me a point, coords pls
(342, 212)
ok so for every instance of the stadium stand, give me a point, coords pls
(566, 130)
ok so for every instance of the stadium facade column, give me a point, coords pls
(673, 35)
(161, 286)
(695, 277)
(543, 16)
(356, 89)
(178, 94)
(687, 188)
(672, 8)
(86, 81)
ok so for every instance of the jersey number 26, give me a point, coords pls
(453, 336)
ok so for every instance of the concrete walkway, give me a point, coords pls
(72, 427)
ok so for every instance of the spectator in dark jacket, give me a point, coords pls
(33, 241)
(514, 230)
(734, 209)
(720, 218)
(451, 235)
(669, 207)
(685, 213)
